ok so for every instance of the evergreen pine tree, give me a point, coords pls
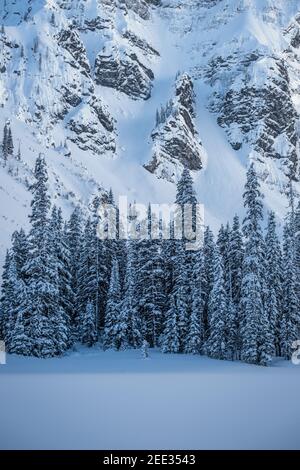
(186, 195)
(257, 344)
(297, 248)
(150, 285)
(273, 266)
(9, 143)
(20, 249)
(289, 324)
(208, 252)
(40, 269)
(20, 342)
(88, 280)
(196, 331)
(61, 259)
(112, 313)
(8, 298)
(231, 330)
(103, 264)
(236, 253)
(185, 260)
(223, 243)
(132, 334)
(88, 325)
(182, 293)
(217, 306)
(230, 247)
(170, 342)
(74, 241)
(4, 146)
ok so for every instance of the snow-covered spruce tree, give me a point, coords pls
(150, 285)
(185, 192)
(20, 342)
(112, 311)
(170, 342)
(236, 254)
(61, 329)
(186, 195)
(290, 320)
(20, 251)
(232, 338)
(129, 324)
(103, 260)
(40, 269)
(196, 329)
(217, 308)
(74, 241)
(116, 248)
(208, 252)
(233, 288)
(185, 260)
(61, 257)
(14, 306)
(5, 297)
(257, 340)
(4, 146)
(9, 143)
(178, 309)
(7, 146)
(168, 251)
(88, 325)
(297, 247)
(273, 275)
(88, 279)
(224, 243)
(14, 294)
(8, 298)
(67, 301)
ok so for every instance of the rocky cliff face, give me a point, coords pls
(81, 80)
(56, 76)
(176, 143)
(124, 72)
(257, 109)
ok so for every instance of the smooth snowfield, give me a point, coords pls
(117, 400)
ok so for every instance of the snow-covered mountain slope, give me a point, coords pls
(82, 80)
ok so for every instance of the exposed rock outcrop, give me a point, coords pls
(141, 44)
(257, 108)
(70, 40)
(91, 129)
(124, 72)
(176, 143)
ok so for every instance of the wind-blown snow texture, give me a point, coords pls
(81, 82)
(113, 400)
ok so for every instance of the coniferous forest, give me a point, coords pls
(235, 298)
